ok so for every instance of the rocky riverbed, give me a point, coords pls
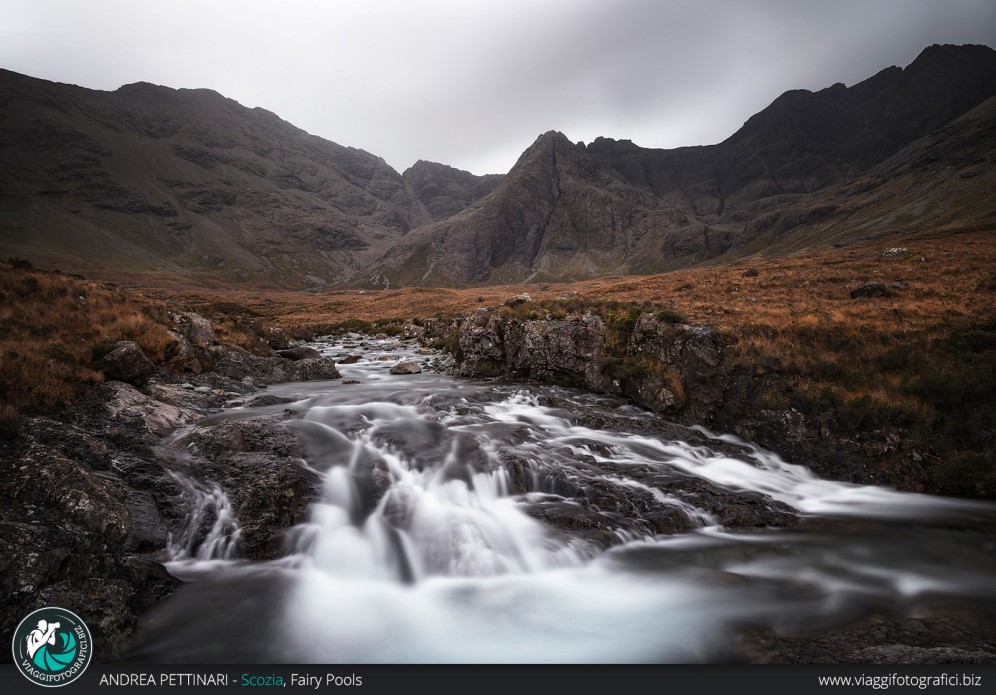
(363, 460)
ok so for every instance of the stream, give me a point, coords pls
(465, 521)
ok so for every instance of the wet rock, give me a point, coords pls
(127, 405)
(407, 367)
(267, 400)
(349, 359)
(259, 465)
(299, 353)
(569, 352)
(71, 522)
(870, 289)
(126, 362)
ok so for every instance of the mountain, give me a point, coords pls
(187, 183)
(444, 190)
(152, 184)
(569, 210)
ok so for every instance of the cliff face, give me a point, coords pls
(557, 214)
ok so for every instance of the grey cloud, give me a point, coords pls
(472, 84)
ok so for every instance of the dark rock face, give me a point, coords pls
(83, 521)
(299, 353)
(684, 365)
(694, 353)
(235, 363)
(126, 362)
(259, 464)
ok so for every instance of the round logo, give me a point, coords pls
(52, 647)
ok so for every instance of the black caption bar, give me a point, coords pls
(110, 679)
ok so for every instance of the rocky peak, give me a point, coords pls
(446, 190)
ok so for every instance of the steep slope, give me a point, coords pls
(557, 214)
(941, 182)
(445, 190)
(151, 179)
(626, 209)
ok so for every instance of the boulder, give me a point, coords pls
(299, 353)
(350, 359)
(482, 344)
(126, 362)
(198, 329)
(522, 298)
(870, 289)
(406, 367)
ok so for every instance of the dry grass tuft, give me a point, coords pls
(54, 326)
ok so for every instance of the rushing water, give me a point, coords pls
(467, 522)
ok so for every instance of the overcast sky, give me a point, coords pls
(472, 83)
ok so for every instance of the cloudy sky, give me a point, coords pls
(472, 83)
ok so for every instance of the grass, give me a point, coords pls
(54, 326)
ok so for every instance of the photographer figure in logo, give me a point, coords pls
(43, 634)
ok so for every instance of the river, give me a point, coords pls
(464, 521)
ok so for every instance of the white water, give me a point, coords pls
(426, 547)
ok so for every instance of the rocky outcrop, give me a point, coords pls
(691, 375)
(89, 501)
(299, 353)
(259, 464)
(671, 368)
(236, 363)
(126, 362)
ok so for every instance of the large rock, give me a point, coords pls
(198, 329)
(568, 352)
(870, 289)
(300, 353)
(482, 344)
(406, 367)
(80, 509)
(691, 360)
(258, 463)
(126, 362)
(235, 363)
(667, 367)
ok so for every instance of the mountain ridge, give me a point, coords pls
(188, 185)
